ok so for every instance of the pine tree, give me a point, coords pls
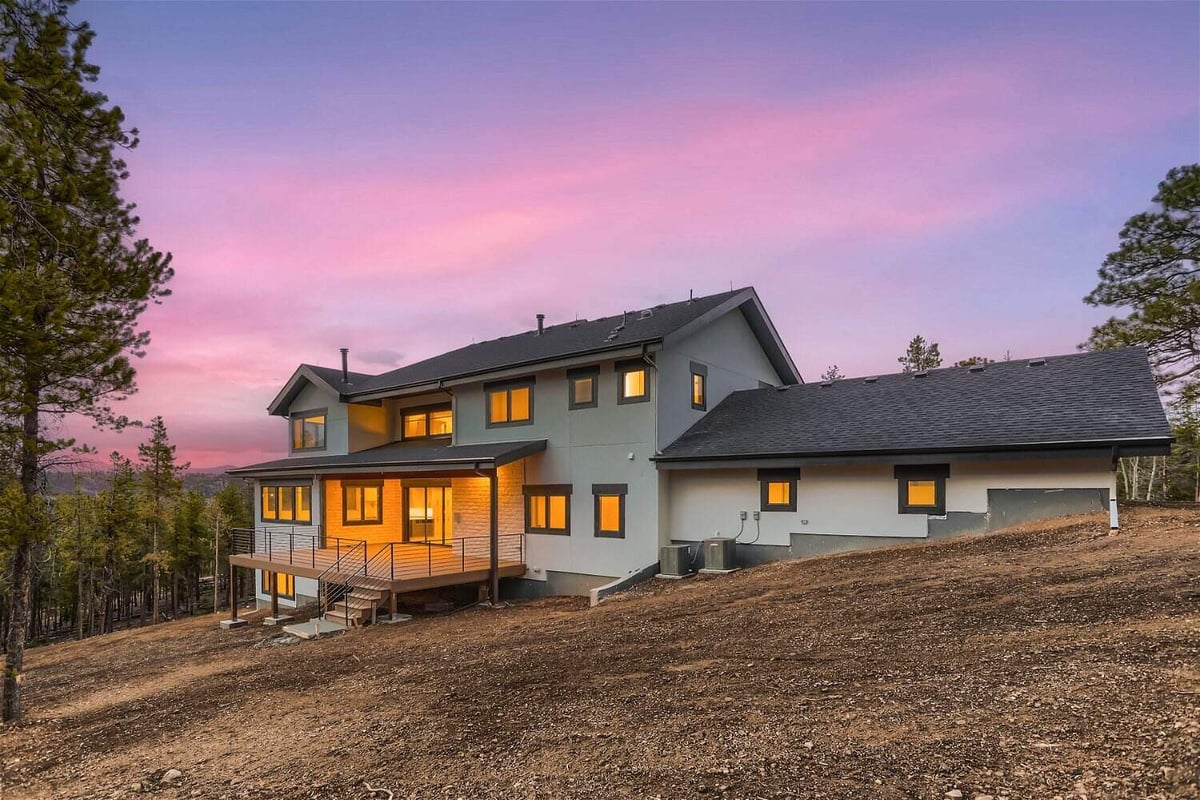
(920, 355)
(974, 361)
(161, 481)
(74, 278)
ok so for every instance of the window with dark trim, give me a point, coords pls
(582, 388)
(509, 403)
(777, 489)
(286, 503)
(609, 500)
(285, 584)
(426, 423)
(699, 386)
(308, 430)
(633, 381)
(362, 503)
(548, 509)
(922, 488)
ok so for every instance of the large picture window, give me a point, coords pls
(362, 503)
(308, 430)
(421, 423)
(922, 488)
(509, 403)
(287, 504)
(609, 501)
(548, 509)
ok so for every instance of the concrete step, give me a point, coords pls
(311, 628)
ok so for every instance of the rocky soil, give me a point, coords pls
(1050, 661)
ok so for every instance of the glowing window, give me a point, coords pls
(270, 505)
(777, 489)
(546, 509)
(922, 488)
(287, 502)
(441, 422)
(922, 493)
(698, 387)
(362, 503)
(308, 431)
(610, 510)
(779, 493)
(583, 390)
(285, 584)
(510, 404)
(633, 384)
(420, 423)
(304, 504)
(416, 426)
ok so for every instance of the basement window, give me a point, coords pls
(285, 584)
(509, 403)
(548, 509)
(286, 504)
(609, 501)
(633, 381)
(922, 488)
(362, 503)
(308, 430)
(777, 489)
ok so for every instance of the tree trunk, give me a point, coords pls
(22, 569)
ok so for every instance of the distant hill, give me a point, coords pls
(208, 482)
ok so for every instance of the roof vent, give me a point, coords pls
(783, 388)
(345, 365)
(827, 383)
(871, 380)
(647, 314)
(975, 368)
(922, 374)
(1037, 362)
(541, 319)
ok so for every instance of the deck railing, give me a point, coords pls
(288, 546)
(407, 560)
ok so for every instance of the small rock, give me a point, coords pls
(172, 776)
(954, 794)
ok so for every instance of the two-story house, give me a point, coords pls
(561, 459)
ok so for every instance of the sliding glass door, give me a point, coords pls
(430, 516)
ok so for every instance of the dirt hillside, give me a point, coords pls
(1048, 661)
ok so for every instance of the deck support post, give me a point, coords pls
(233, 621)
(274, 594)
(494, 535)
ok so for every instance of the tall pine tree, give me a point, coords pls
(74, 277)
(162, 481)
(920, 355)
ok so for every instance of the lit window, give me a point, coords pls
(610, 510)
(308, 430)
(287, 503)
(424, 422)
(285, 584)
(547, 509)
(633, 381)
(582, 388)
(922, 488)
(510, 404)
(362, 503)
(777, 489)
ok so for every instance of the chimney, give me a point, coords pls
(345, 365)
(541, 323)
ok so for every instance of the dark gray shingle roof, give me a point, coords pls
(400, 454)
(556, 341)
(1093, 397)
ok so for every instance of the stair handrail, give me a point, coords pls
(324, 597)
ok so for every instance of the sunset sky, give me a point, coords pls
(403, 179)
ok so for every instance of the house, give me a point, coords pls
(560, 460)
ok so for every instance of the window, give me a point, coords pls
(548, 509)
(362, 503)
(308, 430)
(509, 403)
(582, 386)
(420, 423)
(633, 381)
(699, 386)
(610, 509)
(287, 503)
(777, 489)
(922, 488)
(285, 584)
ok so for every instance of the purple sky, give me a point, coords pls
(402, 179)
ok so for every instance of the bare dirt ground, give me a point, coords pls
(1047, 661)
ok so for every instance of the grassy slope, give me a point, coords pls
(1047, 661)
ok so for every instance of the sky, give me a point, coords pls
(404, 179)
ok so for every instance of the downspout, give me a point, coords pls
(1114, 523)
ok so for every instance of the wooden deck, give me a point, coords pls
(401, 566)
